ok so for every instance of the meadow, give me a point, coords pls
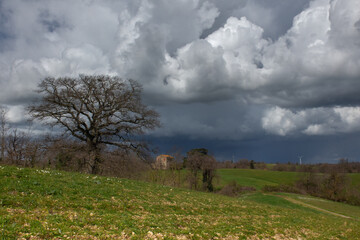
(256, 178)
(48, 204)
(260, 178)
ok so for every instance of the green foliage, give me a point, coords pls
(280, 188)
(43, 204)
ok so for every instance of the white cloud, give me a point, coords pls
(317, 121)
(301, 68)
(281, 121)
(15, 113)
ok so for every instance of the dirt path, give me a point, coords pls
(314, 207)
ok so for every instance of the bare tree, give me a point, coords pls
(208, 172)
(3, 131)
(193, 163)
(34, 151)
(16, 147)
(99, 110)
(199, 160)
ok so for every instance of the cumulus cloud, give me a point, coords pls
(219, 66)
(302, 68)
(317, 121)
(15, 114)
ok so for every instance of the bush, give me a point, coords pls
(233, 189)
(280, 188)
(333, 186)
(124, 165)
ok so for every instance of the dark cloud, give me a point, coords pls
(6, 35)
(270, 149)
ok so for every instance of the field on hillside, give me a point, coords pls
(256, 178)
(44, 204)
(355, 179)
(259, 178)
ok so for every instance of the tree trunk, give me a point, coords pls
(94, 159)
(207, 180)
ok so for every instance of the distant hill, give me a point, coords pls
(46, 204)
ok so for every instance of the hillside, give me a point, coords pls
(44, 204)
(256, 178)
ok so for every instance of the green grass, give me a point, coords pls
(337, 207)
(256, 178)
(355, 179)
(44, 204)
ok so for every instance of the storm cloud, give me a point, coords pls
(215, 70)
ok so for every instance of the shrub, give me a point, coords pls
(233, 189)
(280, 188)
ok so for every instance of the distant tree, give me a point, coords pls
(16, 147)
(198, 160)
(208, 173)
(193, 164)
(178, 160)
(309, 182)
(34, 149)
(334, 185)
(243, 163)
(201, 151)
(343, 166)
(98, 110)
(252, 165)
(261, 165)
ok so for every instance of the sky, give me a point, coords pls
(268, 80)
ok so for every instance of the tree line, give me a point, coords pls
(342, 166)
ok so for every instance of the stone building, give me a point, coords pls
(163, 161)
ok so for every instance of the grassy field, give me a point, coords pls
(256, 178)
(259, 178)
(355, 179)
(43, 204)
(336, 207)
